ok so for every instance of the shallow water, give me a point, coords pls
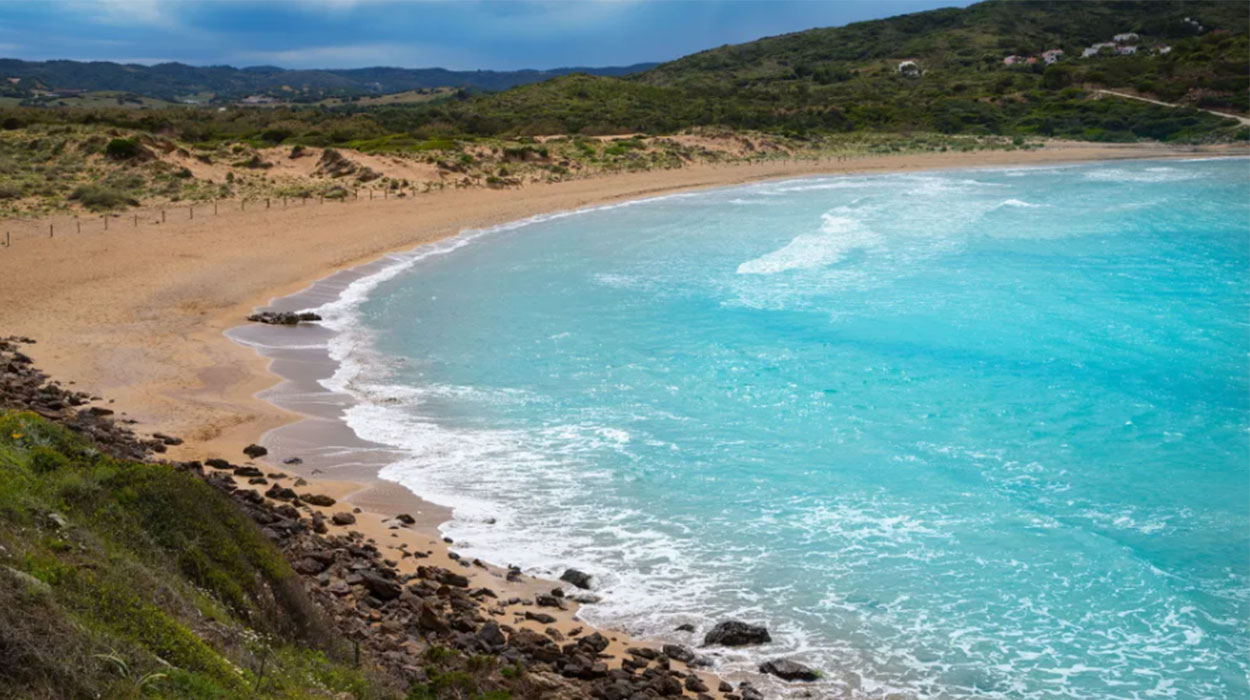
(965, 434)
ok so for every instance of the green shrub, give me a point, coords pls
(98, 198)
(123, 149)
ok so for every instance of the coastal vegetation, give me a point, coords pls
(821, 93)
(127, 579)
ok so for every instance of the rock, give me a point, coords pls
(788, 670)
(310, 566)
(544, 618)
(585, 598)
(685, 628)
(283, 318)
(292, 460)
(217, 463)
(679, 653)
(248, 472)
(317, 499)
(254, 451)
(733, 633)
(167, 439)
(56, 521)
(695, 685)
(380, 586)
(548, 601)
(280, 493)
(491, 637)
(748, 691)
(577, 578)
(343, 519)
(443, 576)
(406, 519)
(595, 642)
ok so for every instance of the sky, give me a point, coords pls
(463, 35)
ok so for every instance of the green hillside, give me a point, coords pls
(848, 78)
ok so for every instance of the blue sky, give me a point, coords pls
(458, 35)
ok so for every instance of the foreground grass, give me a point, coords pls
(126, 580)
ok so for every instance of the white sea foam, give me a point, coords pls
(839, 235)
(1019, 203)
(1155, 174)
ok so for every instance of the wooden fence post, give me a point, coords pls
(214, 206)
(191, 211)
(77, 225)
(162, 216)
(49, 230)
(266, 202)
(136, 221)
(106, 225)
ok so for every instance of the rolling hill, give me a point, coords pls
(848, 78)
(178, 81)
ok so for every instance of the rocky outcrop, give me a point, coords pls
(25, 388)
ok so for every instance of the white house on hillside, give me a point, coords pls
(909, 69)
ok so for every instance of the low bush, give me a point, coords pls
(98, 198)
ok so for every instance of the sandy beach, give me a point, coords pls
(139, 313)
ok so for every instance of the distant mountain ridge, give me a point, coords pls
(173, 81)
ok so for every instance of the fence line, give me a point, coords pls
(223, 206)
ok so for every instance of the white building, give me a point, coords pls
(909, 69)
(1093, 50)
(1125, 37)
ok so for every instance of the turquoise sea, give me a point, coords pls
(959, 434)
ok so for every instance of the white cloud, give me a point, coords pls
(152, 13)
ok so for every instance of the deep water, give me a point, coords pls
(962, 434)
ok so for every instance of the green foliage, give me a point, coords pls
(123, 149)
(157, 586)
(98, 198)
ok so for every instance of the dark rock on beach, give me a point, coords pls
(733, 633)
(283, 318)
(255, 451)
(788, 670)
(343, 519)
(577, 578)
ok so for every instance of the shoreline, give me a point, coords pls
(163, 331)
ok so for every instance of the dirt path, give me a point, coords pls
(1245, 121)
